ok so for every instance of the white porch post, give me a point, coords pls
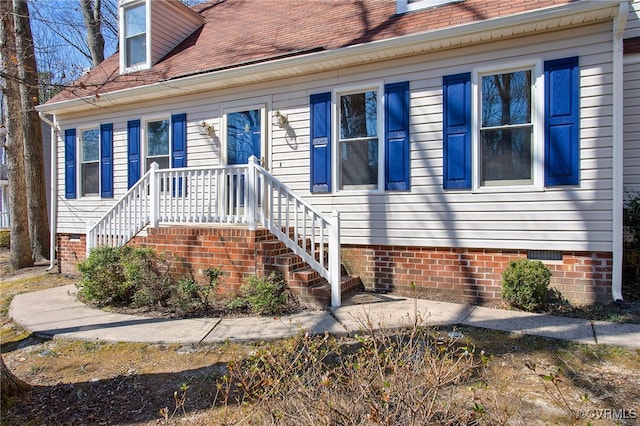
(89, 237)
(334, 260)
(250, 208)
(154, 194)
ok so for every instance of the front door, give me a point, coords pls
(244, 139)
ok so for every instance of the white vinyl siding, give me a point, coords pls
(632, 123)
(632, 29)
(559, 218)
(170, 26)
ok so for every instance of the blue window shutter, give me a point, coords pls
(178, 148)
(70, 163)
(133, 152)
(562, 122)
(106, 160)
(321, 142)
(396, 116)
(178, 140)
(456, 132)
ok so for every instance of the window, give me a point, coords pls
(403, 6)
(157, 144)
(372, 139)
(164, 142)
(244, 135)
(94, 159)
(358, 141)
(135, 35)
(506, 129)
(90, 162)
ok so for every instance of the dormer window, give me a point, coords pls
(404, 6)
(135, 34)
(149, 29)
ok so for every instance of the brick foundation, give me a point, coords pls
(235, 250)
(72, 248)
(472, 275)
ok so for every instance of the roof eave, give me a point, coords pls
(556, 17)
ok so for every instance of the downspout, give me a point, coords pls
(54, 185)
(618, 148)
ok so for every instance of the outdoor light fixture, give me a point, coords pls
(279, 119)
(206, 129)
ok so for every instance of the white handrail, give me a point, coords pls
(245, 194)
(125, 218)
(304, 230)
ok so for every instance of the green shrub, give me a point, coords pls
(262, 295)
(186, 294)
(148, 274)
(124, 276)
(103, 278)
(191, 296)
(525, 283)
(631, 262)
(631, 219)
(213, 275)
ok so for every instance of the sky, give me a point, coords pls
(60, 37)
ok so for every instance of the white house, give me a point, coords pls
(422, 142)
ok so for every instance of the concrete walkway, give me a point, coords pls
(56, 313)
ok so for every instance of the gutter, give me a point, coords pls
(54, 195)
(618, 148)
(351, 55)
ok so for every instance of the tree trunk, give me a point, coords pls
(20, 255)
(32, 131)
(11, 386)
(92, 21)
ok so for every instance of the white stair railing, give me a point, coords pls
(125, 218)
(245, 194)
(306, 231)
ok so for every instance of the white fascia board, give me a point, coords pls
(552, 18)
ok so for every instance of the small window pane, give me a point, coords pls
(243, 136)
(90, 178)
(163, 162)
(359, 164)
(158, 138)
(359, 115)
(135, 35)
(506, 155)
(507, 132)
(90, 145)
(506, 99)
(135, 21)
(136, 50)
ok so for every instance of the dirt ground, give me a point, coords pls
(95, 383)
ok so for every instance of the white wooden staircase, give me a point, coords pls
(240, 194)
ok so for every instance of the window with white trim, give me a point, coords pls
(157, 144)
(517, 126)
(135, 35)
(507, 137)
(90, 162)
(370, 127)
(358, 147)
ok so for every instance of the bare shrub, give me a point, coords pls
(400, 377)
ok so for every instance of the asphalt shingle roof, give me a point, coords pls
(244, 31)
